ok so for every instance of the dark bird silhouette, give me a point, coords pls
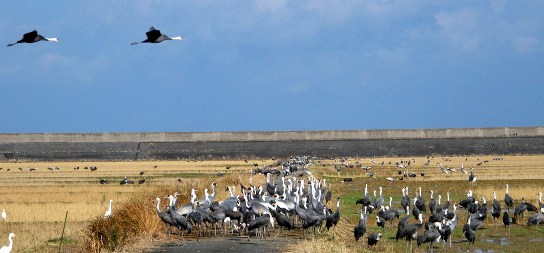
(409, 232)
(522, 207)
(360, 229)
(32, 37)
(259, 222)
(432, 203)
(507, 221)
(405, 201)
(141, 181)
(467, 201)
(333, 219)
(509, 201)
(469, 233)
(155, 36)
(104, 181)
(373, 239)
(420, 202)
(282, 220)
(495, 208)
(431, 235)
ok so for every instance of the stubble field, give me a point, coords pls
(36, 202)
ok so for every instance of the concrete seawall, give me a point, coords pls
(222, 145)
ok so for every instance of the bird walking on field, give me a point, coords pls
(4, 215)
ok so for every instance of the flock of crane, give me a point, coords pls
(300, 202)
(153, 36)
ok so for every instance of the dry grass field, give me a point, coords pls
(36, 202)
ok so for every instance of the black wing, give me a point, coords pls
(30, 36)
(153, 34)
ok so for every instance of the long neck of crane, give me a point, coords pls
(158, 205)
(110, 206)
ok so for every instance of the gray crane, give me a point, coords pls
(180, 222)
(165, 217)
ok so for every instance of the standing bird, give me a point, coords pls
(495, 208)
(360, 229)
(373, 239)
(32, 37)
(165, 217)
(155, 36)
(472, 177)
(540, 204)
(7, 249)
(469, 233)
(507, 221)
(333, 219)
(4, 215)
(405, 201)
(509, 201)
(108, 212)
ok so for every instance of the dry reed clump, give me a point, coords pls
(131, 220)
(137, 218)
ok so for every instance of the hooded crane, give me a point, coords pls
(360, 229)
(373, 239)
(155, 36)
(409, 231)
(32, 37)
(495, 208)
(540, 204)
(333, 219)
(509, 201)
(431, 235)
(469, 233)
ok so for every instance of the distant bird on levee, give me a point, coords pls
(32, 37)
(155, 36)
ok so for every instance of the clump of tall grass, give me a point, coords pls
(130, 221)
(137, 218)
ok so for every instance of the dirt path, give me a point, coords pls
(224, 244)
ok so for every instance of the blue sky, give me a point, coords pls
(272, 65)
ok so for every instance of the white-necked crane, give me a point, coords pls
(32, 37)
(540, 204)
(495, 208)
(509, 201)
(155, 36)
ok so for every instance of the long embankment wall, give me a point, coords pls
(223, 145)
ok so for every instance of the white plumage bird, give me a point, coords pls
(108, 212)
(7, 249)
(4, 215)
